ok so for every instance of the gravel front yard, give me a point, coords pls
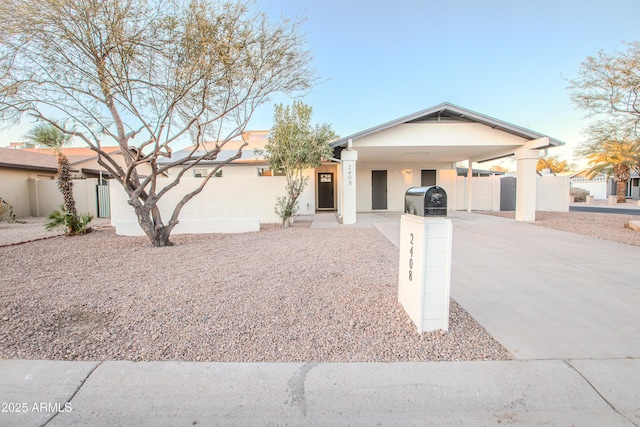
(278, 295)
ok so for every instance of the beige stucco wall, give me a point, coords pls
(553, 193)
(485, 193)
(14, 188)
(48, 197)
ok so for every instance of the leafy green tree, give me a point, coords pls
(294, 145)
(147, 74)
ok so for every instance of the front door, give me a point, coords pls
(325, 190)
(379, 189)
(427, 177)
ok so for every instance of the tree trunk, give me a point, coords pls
(66, 185)
(157, 232)
(621, 191)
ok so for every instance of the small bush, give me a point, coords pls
(580, 194)
(6, 211)
(72, 226)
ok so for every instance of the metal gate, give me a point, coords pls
(508, 193)
(104, 203)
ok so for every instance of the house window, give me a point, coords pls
(269, 172)
(202, 173)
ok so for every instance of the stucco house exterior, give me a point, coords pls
(379, 164)
(17, 169)
(27, 179)
(370, 171)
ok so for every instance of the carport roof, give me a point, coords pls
(450, 113)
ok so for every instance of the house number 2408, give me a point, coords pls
(411, 257)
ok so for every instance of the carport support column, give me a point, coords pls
(526, 186)
(349, 158)
(469, 177)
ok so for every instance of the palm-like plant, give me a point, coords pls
(615, 158)
(48, 136)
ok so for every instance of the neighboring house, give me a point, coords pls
(28, 182)
(249, 165)
(84, 161)
(601, 187)
(17, 168)
(370, 171)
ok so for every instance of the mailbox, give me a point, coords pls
(426, 201)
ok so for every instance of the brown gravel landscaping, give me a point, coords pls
(278, 295)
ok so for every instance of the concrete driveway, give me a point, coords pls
(543, 293)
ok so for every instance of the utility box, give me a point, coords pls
(426, 201)
(424, 278)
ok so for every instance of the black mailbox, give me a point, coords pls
(426, 201)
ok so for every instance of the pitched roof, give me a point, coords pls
(254, 138)
(449, 113)
(74, 154)
(22, 159)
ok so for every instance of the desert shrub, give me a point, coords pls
(6, 211)
(72, 225)
(580, 194)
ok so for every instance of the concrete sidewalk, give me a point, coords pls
(565, 305)
(544, 392)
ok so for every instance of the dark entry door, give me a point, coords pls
(427, 177)
(379, 189)
(325, 190)
(508, 193)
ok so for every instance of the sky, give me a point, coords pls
(380, 60)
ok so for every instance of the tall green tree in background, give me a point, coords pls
(294, 145)
(147, 75)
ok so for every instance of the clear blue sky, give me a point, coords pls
(380, 60)
(507, 59)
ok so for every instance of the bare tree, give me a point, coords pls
(610, 83)
(147, 75)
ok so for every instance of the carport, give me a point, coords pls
(379, 164)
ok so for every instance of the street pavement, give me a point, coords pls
(565, 305)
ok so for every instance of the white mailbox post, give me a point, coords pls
(425, 270)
